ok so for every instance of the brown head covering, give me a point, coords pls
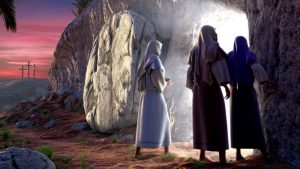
(208, 48)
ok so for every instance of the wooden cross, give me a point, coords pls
(28, 68)
(22, 69)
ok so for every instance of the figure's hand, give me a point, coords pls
(169, 82)
(271, 84)
(227, 90)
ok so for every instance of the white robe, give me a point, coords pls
(153, 124)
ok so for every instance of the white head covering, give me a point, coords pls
(153, 50)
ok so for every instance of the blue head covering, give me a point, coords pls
(239, 63)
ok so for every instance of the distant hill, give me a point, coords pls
(14, 91)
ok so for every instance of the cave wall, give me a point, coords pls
(274, 27)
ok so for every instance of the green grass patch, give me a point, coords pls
(83, 162)
(131, 148)
(114, 138)
(169, 157)
(6, 134)
(45, 149)
(199, 164)
(144, 156)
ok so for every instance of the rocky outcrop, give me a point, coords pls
(24, 158)
(67, 71)
(110, 97)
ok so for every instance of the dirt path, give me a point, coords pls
(101, 151)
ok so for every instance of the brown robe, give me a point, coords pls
(209, 116)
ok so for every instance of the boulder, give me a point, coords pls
(80, 127)
(12, 158)
(51, 123)
(110, 97)
(23, 124)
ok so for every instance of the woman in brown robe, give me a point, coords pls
(207, 71)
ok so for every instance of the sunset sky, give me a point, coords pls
(40, 24)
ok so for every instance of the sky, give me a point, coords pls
(40, 24)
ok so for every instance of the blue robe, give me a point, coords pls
(246, 128)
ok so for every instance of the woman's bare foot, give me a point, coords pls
(239, 156)
(203, 158)
(222, 157)
(137, 152)
(166, 149)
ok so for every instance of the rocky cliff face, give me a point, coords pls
(67, 71)
(274, 36)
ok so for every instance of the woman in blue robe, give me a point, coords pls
(246, 128)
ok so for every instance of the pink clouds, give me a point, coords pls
(39, 27)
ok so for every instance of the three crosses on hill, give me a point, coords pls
(28, 69)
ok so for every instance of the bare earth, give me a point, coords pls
(114, 151)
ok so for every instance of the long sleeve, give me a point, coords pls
(158, 79)
(219, 68)
(259, 72)
(190, 71)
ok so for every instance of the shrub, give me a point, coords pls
(7, 134)
(114, 138)
(83, 163)
(45, 149)
(169, 157)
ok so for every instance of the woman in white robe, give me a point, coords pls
(153, 124)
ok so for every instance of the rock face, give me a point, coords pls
(274, 36)
(110, 97)
(13, 157)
